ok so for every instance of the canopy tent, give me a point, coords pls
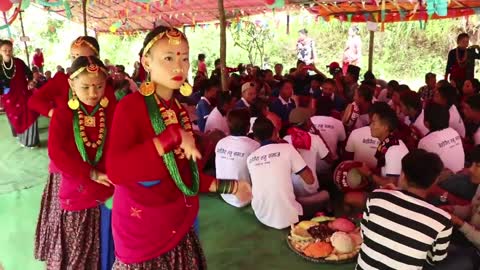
(120, 16)
(388, 11)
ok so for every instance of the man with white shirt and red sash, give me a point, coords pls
(389, 153)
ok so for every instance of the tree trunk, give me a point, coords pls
(223, 45)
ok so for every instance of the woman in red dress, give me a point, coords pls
(15, 84)
(47, 100)
(76, 145)
(152, 162)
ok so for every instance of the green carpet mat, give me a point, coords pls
(232, 238)
(21, 167)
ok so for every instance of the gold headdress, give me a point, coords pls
(81, 41)
(174, 38)
(73, 102)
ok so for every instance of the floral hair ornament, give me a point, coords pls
(80, 41)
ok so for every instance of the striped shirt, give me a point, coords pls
(402, 231)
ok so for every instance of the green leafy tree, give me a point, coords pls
(252, 38)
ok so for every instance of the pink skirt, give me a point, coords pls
(48, 219)
(188, 255)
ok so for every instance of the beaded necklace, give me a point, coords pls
(160, 118)
(82, 119)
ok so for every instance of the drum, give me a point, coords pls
(347, 178)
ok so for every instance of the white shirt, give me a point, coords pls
(456, 121)
(252, 121)
(333, 132)
(362, 121)
(245, 102)
(447, 144)
(216, 120)
(419, 123)
(270, 169)
(231, 155)
(312, 157)
(363, 146)
(393, 159)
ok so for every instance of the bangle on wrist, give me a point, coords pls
(226, 186)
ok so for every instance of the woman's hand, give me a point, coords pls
(189, 147)
(244, 191)
(100, 178)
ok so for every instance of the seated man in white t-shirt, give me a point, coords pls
(332, 132)
(442, 140)
(361, 145)
(271, 167)
(446, 95)
(310, 146)
(217, 119)
(231, 152)
(389, 153)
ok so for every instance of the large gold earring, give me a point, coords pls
(104, 102)
(147, 87)
(186, 89)
(73, 102)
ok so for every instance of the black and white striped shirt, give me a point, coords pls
(402, 231)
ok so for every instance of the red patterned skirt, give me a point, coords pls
(48, 219)
(76, 241)
(187, 255)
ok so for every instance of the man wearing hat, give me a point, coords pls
(249, 93)
(351, 81)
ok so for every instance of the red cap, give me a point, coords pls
(334, 65)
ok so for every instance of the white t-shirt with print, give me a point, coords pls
(363, 146)
(333, 132)
(456, 121)
(419, 123)
(231, 155)
(316, 153)
(447, 144)
(393, 159)
(271, 167)
(216, 120)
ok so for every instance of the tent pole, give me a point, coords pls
(84, 9)
(24, 41)
(288, 24)
(370, 50)
(223, 45)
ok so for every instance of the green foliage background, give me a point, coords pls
(403, 51)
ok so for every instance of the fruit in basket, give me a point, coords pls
(321, 232)
(318, 250)
(342, 224)
(307, 224)
(342, 242)
(322, 219)
(356, 237)
(299, 234)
